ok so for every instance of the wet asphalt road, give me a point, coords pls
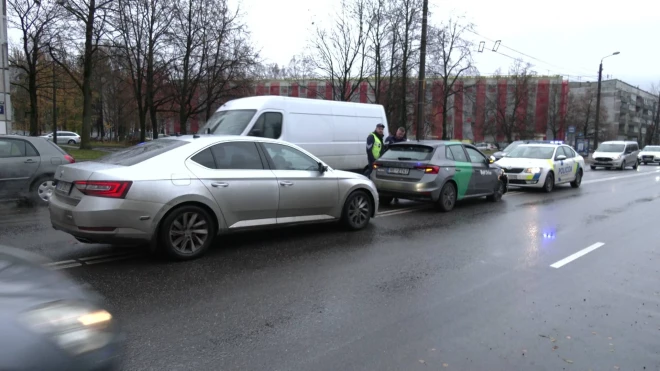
(469, 290)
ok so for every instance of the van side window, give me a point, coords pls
(268, 125)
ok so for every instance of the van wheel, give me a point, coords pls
(636, 165)
(357, 210)
(623, 165)
(187, 232)
(646, 163)
(447, 199)
(593, 167)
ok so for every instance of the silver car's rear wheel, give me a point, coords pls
(187, 232)
(45, 190)
(357, 210)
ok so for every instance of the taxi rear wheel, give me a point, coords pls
(447, 199)
(549, 184)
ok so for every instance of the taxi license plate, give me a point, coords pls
(398, 170)
(64, 187)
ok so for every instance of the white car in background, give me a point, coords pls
(64, 137)
(543, 166)
(649, 155)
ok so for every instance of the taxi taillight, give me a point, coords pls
(429, 169)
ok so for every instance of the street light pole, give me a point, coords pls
(600, 76)
(421, 84)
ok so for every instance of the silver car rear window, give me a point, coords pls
(408, 152)
(141, 152)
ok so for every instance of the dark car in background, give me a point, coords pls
(48, 322)
(27, 167)
(437, 171)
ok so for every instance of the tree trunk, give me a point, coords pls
(34, 104)
(87, 79)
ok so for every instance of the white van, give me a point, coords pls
(336, 132)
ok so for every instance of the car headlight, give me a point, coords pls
(76, 327)
(617, 157)
(533, 170)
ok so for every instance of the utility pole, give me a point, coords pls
(421, 83)
(600, 76)
(5, 98)
(54, 107)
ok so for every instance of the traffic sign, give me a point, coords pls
(571, 129)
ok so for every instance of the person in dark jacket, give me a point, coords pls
(400, 136)
(374, 148)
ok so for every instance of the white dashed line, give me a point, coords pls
(578, 254)
(116, 258)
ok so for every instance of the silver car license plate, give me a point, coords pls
(64, 187)
(398, 170)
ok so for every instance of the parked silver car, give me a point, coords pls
(27, 166)
(180, 192)
(64, 137)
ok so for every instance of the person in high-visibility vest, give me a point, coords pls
(374, 147)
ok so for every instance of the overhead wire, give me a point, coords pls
(532, 57)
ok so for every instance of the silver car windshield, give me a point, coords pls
(532, 152)
(607, 147)
(230, 122)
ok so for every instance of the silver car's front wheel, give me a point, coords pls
(187, 232)
(357, 210)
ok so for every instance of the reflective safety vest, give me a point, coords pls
(375, 150)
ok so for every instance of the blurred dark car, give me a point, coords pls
(48, 322)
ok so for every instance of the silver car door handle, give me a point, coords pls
(30, 161)
(286, 184)
(220, 184)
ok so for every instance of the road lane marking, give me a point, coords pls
(578, 254)
(105, 256)
(63, 265)
(112, 259)
(620, 177)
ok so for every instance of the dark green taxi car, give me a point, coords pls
(441, 172)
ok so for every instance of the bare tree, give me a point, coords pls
(450, 57)
(89, 19)
(410, 15)
(380, 21)
(33, 19)
(141, 27)
(652, 130)
(554, 110)
(513, 117)
(340, 53)
(582, 110)
(211, 56)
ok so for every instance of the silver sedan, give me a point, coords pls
(178, 193)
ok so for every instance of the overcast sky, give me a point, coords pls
(563, 37)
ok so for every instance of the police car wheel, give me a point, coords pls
(549, 184)
(447, 199)
(499, 192)
(357, 210)
(578, 179)
(646, 163)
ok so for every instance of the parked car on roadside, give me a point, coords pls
(180, 192)
(437, 171)
(49, 322)
(27, 167)
(64, 137)
(649, 155)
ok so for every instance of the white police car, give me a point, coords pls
(543, 166)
